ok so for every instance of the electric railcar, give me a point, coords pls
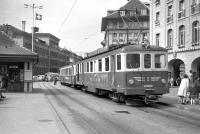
(129, 71)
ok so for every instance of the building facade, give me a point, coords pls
(128, 25)
(175, 25)
(16, 63)
(46, 45)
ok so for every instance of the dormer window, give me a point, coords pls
(157, 2)
(143, 11)
(122, 13)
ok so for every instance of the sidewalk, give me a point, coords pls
(27, 113)
(30, 113)
(172, 95)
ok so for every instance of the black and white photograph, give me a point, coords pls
(100, 67)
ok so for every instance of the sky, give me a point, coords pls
(77, 23)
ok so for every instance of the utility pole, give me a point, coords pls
(33, 6)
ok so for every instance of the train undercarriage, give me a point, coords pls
(147, 98)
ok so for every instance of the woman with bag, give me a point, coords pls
(184, 86)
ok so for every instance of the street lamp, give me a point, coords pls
(33, 6)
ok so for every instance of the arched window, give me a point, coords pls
(169, 38)
(195, 33)
(182, 36)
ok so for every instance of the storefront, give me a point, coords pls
(17, 63)
(19, 72)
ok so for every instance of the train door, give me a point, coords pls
(113, 71)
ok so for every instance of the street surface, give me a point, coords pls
(85, 113)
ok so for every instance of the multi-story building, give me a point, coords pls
(128, 25)
(175, 25)
(46, 45)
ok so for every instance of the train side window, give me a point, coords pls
(132, 61)
(82, 67)
(118, 62)
(147, 61)
(91, 66)
(87, 66)
(160, 60)
(100, 65)
(107, 66)
(94, 70)
(77, 68)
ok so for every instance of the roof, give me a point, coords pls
(9, 48)
(131, 5)
(46, 35)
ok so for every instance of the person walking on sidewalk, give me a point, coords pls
(192, 92)
(197, 89)
(55, 80)
(171, 82)
(2, 89)
(178, 81)
(184, 86)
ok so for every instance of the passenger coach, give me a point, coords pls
(129, 71)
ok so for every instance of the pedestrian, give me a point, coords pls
(184, 86)
(55, 80)
(190, 76)
(5, 80)
(192, 95)
(178, 81)
(171, 82)
(2, 89)
(197, 88)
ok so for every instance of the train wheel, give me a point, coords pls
(110, 95)
(122, 98)
(115, 97)
(146, 100)
(84, 89)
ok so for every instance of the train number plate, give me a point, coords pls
(149, 91)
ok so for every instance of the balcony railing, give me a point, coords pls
(169, 1)
(157, 2)
(181, 14)
(196, 43)
(169, 18)
(195, 8)
(157, 22)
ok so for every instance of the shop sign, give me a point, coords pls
(13, 66)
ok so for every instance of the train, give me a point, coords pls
(121, 72)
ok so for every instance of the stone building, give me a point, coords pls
(175, 25)
(128, 25)
(46, 45)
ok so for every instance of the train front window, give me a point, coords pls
(147, 61)
(132, 61)
(160, 61)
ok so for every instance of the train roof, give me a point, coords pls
(125, 48)
(130, 48)
(118, 49)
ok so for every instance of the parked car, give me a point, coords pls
(40, 77)
(50, 76)
(34, 78)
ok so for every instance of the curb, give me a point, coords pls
(187, 107)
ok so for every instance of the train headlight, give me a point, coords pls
(163, 81)
(131, 81)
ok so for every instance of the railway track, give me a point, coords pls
(161, 110)
(89, 125)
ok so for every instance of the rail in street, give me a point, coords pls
(85, 113)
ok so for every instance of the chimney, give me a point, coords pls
(23, 25)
